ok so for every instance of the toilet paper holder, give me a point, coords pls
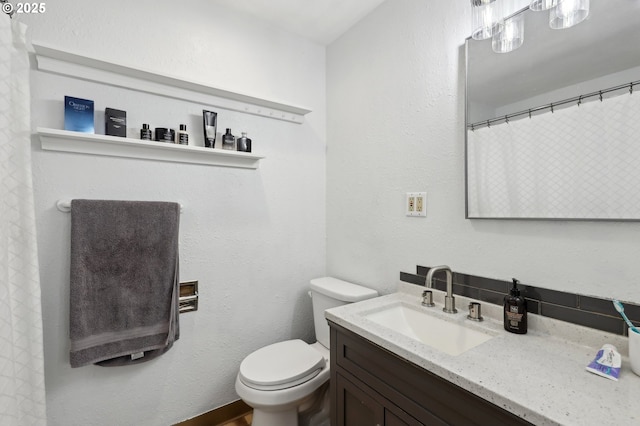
(188, 299)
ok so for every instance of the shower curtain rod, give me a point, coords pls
(551, 106)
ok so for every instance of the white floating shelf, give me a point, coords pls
(118, 75)
(112, 146)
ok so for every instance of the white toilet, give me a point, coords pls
(288, 380)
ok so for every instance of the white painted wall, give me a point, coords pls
(395, 102)
(253, 239)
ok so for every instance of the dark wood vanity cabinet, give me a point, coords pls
(371, 386)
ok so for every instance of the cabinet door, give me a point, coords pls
(399, 418)
(355, 407)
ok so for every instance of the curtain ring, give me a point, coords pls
(631, 88)
(551, 104)
(529, 113)
(579, 100)
(506, 119)
(600, 96)
(488, 124)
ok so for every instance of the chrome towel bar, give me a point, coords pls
(65, 206)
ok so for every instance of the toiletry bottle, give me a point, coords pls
(244, 143)
(210, 126)
(145, 133)
(228, 140)
(165, 135)
(183, 136)
(515, 311)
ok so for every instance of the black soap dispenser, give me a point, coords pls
(515, 311)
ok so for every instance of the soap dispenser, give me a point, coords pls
(515, 311)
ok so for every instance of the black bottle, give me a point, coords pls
(244, 143)
(145, 133)
(228, 140)
(515, 311)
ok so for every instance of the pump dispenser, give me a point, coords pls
(515, 311)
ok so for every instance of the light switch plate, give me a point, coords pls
(416, 204)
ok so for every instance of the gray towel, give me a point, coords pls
(124, 281)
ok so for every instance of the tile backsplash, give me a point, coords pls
(574, 308)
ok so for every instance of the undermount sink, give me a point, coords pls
(418, 324)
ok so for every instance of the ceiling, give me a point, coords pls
(322, 21)
(605, 43)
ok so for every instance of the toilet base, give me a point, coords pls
(274, 418)
(311, 410)
(317, 413)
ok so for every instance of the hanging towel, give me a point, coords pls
(124, 281)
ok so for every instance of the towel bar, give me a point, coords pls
(65, 206)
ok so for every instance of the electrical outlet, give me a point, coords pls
(416, 204)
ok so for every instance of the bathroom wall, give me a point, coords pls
(395, 102)
(253, 238)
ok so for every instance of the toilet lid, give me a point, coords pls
(281, 365)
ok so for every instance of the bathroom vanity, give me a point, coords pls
(372, 386)
(382, 374)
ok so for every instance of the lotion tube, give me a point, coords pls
(209, 123)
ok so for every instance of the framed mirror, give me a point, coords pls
(553, 127)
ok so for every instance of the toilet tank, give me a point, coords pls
(328, 292)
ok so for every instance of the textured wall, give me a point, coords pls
(395, 103)
(253, 238)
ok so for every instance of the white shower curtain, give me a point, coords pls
(579, 162)
(22, 395)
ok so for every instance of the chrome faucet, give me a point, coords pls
(449, 300)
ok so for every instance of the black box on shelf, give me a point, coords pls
(115, 122)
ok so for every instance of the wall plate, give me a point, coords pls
(416, 204)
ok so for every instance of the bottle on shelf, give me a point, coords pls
(228, 140)
(244, 143)
(183, 136)
(145, 133)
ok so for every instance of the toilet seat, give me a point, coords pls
(281, 365)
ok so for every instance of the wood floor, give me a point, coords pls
(234, 414)
(244, 420)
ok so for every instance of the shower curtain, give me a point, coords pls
(22, 395)
(581, 162)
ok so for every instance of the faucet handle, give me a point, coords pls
(475, 311)
(427, 298)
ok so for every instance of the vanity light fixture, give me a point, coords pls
(503, 20)
(568, 13)
(538, 5)
(512, 35)
(487, 18)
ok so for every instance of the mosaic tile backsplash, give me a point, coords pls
(574, 308)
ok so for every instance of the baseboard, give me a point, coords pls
(218, 416)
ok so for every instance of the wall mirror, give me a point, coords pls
(553, 127)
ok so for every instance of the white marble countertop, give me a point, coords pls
(539, 376)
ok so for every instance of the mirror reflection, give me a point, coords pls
(532, 152)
